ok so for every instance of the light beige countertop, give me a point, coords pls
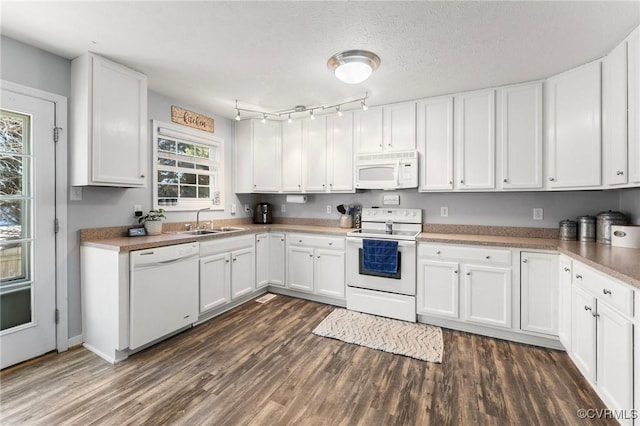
(621, 263)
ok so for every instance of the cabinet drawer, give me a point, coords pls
(316, 241)
(606, 289)
(469, 254)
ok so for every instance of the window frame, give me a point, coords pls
(188, 135)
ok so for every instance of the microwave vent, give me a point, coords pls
(386, 156)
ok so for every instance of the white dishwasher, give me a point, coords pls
(163, 291)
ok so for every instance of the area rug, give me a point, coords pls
(414, 340)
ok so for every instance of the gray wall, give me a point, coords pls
(100, 207)
(504, 209)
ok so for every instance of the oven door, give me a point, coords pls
(377, 175)
(404, 282)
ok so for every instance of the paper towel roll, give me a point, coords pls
(297, 199)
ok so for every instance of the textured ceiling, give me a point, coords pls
(272, 55)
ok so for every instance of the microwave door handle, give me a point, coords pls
(398, 165)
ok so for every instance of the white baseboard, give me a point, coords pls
(75, 340)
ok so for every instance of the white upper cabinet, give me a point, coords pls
(475, 140)
(390, 128)
(244, 157)
(266, 156)
(614, 116)
(633, 75)
(399, 127)
(109, 124)
(340, 152)
(315, 154)
(520, 136)
(292, 156)
(435, 143)
(572, 102)
(368, 130)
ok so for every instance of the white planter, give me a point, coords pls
(153, 227)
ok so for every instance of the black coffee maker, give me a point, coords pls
(263, 213)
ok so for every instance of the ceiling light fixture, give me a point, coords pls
(353, 66)
(299, 109)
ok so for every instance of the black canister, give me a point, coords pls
(568, 230)
(586, 228)
(604, 222)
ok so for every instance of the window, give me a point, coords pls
(188, 168)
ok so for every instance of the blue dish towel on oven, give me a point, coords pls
(380, 256)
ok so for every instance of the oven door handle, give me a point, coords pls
(401, 243)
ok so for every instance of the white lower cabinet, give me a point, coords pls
(438, 289)
(270, 253)
(564, 302)
(488, 295)
(262, 260)
(602, 335)
(539, 292)
(227, 270)
(316, 265)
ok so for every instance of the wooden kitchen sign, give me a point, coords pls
(191, 119)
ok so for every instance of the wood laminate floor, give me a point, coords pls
(259, 364)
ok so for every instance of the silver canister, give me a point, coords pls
(586, 228)
(568, 230)
(604, 222)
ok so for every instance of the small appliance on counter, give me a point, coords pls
(604, 222)
(625, 236)
(263, 213)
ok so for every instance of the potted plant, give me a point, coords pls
(153, 221)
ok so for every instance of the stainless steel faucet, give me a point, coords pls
(198, 216)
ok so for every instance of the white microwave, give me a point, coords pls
(393, 170)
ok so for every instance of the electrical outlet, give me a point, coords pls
(75, 194)
(246, 208)
(137, 210)
(328, 208)
(283, 208)
(444, 211)
(233, 208)
(538, 213)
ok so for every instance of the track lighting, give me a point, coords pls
(299, 109)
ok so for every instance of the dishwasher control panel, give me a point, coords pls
(164, 254)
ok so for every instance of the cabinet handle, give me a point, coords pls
(504, 180)
(380, 145)
(606, 291)
(551, 179)
(461, 181)
(310, 255)
(619, 173)
(595, 314)
(468, 273)
(226, 261)
(318, 257)
(450, 182)
(282, 239)
(566, 269)
(488, 257)
(578, 276)
(524, 260)
(142, 176)
(438, 252)
(235, 258)
(330, 244)
(455, 272)
(587, 308)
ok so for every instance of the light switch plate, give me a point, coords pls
(538, 213)
(75, 194)
(444, 211)
(391, 200)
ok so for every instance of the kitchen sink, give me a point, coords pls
(218, 230)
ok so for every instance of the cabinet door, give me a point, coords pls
(330, 273)
(520, 136)
(614, 116)
(583, 332)
(488, 295)
(435, 143)
(633, 96)
(399, 127)
(437, 292)
(276, 259)
(263, 260)
(340, 152)
(315, 154)
(243, 276)
(539, 293)
(119, 148)
(614, 358)
(564, 319)
(573, 126)
(300, 268)
(475, 140)
(368, 130)
(292, 156)
(266, 156)
(215, 281)
(244, 157)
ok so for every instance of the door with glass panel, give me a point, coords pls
(27, 232)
